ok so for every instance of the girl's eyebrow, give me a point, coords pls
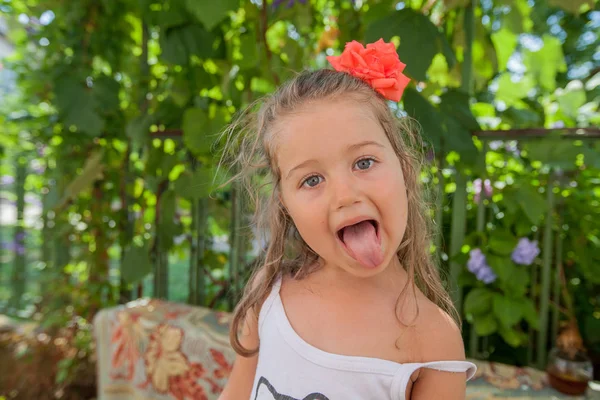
(301, 165)
(365, 143)
(352, 147)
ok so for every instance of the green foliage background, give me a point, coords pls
(119, 102)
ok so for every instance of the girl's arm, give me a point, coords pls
(433, 384)
(241, 379)
(441, 341)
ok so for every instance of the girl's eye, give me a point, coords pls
(312, 181)
(364, 163)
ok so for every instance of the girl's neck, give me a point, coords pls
(391, 278)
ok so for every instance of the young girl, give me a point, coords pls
(347, 303)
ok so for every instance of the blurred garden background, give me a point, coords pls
(109, 112)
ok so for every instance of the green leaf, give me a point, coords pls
(485, 324)
(194, 185)
(508, 310)
(456, 103)
(554, 152)
(546, 62)
(511, 336)
(249, 50)
(511, 90)
(502, 242)
(530, 313)
(502, 266)
(417, 51)
(571, 98)
(200, 128)
(136, 264)
(178, 44)
(211, 12)
(517, 286)
(505, 42)
(478, 301)
(522, 118)
(138, 129)
(458, 138)
(106, 93)
(532, 203)
(426, 114)
(92, 170)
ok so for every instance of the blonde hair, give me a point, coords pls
(250, 153)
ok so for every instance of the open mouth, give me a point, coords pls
(375, 224)
(361, 240)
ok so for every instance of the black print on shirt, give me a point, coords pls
(266, 391)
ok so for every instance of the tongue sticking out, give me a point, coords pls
(362, 244)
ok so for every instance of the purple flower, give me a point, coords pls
(525, 252)
(477, 264)
(6, 180)
(487, 189)
(512, 148)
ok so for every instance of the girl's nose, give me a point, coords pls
(345, 193)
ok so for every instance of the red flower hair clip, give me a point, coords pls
(378, 64)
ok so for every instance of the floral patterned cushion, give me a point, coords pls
(152, 349)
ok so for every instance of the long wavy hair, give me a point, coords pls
(250, 156)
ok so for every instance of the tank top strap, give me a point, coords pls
(268, 303)
(403, 375)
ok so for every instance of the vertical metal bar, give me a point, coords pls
(467, 67)
(235, 242)
(534, 281)
(556, 286)
(439, 206)
(474, 339)
(546, 269)
(457, 236)
(199, 274)
(18, 280)
(192, 290)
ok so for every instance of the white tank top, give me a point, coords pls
(291, 369)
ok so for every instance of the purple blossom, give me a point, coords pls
(488, 190)
(6, 180)
(512, 148)
(477, 264)
(33, 200)
(496, 144)
(525, 252)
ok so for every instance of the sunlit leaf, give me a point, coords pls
(505, 42)
(571, 98)
(511, 89)
(546, 62)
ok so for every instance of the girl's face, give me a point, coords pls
(342, 184)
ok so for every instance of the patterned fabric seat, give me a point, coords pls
(153, 349)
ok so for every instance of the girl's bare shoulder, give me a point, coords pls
(440, 338)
